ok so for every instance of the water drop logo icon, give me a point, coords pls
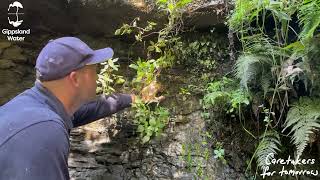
(18, 6)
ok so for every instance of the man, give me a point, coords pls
(35, 125)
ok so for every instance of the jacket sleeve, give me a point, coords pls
(103, 106)
(37, 152)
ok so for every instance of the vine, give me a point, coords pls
(151, 121)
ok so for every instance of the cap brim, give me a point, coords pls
(99, 56)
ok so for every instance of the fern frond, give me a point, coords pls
(309, 17)
(249, 66)
(242, 8)
(266, 82)
(304, 119)
(268, 145)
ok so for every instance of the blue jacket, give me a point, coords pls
(34, 132)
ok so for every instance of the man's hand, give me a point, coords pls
(148, 93)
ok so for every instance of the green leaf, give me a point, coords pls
(246, 101)
(140, 128)
(133, 66)
(182, 3)
(303, 118)
(120, 81)
(138, 37)
(152, 122)
(152, 23)
(281, 15)
(118, 32)
(158, 50)
(145, 139)
(171, 7)
(269, 143)
(162, 1)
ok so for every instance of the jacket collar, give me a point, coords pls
(53, 102)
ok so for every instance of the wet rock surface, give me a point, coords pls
(16, 74)
(109, 148)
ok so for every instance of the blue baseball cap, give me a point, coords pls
(64, 55)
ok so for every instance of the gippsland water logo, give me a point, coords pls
(16, 5)
(13, 34)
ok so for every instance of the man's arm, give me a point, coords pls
(103, 106)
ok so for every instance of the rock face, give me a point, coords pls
(108, 152)
(109, 148)
(102, 18)
(207, 13)
(92, 17)
(15, 74)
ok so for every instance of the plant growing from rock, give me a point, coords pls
(107, 77)
(226, 93)
(272, 63)
(219, 152)
(151, 121)
(202, 54)
(197, 154)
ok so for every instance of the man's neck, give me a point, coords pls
(69, 103)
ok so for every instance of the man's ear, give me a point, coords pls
(74, 78)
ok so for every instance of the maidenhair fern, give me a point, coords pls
(268, 145)
(304, 119)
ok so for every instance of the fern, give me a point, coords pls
(303, 118)
(309, 17)
(268, 145)
(248, 67)
(242, 8)
(266, 82)
(245, 12)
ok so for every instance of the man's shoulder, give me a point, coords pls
(26, 106)
(21, 112)
(23, 99)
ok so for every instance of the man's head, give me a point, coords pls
(67, 66)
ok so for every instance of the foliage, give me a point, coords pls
(160, 55)
(252, 67)
(269, 144)
(203, 53)
(242, 12)
(149, 69)
(107, 77)
(150, 123)
(196, 154)
(303, 119)
(145, 72)
(174, 9)
(128, 29)
(219, 152)
(309, 13)
(184, 91)
(312, 66)
(275, 59)
(225, 92)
